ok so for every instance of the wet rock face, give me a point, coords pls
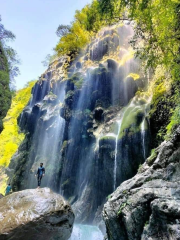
(35, 214)
(146, 207)
(103, 44)
(66, 117)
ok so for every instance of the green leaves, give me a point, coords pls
(74, 37)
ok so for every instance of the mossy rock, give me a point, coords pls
(114, 128)
(69, 94)
(133, 117)
(152, 157)
(79, 83)
(98, 71)
(131, 121)
(77, 79)
(107, 140)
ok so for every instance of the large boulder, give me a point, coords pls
(35, 214)
(147, 207)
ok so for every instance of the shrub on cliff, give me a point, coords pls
(10, 138)
(5, 93)
(8, 70)
(75, 36)
(157, 43)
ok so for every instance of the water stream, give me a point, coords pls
(86, 232)
(86, 148)
(144, 127)
(143, 137)
(116, 151)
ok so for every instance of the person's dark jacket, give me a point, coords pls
(40, 171)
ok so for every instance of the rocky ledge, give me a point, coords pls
(147, 207)
(35, 214)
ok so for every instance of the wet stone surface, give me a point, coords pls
(147, 207)
(35, 214)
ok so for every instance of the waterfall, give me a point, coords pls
(86, 232)
(70, 120)
(48, 138)
(143, 137)
(144, 126)
(116, 151)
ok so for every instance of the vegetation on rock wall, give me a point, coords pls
(5, 93)
(74, 37)
(8, 70)
(10, 138)
(156, 23)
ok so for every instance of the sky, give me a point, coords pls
(34, 22)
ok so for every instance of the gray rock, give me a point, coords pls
(147, 207)
(35, 214)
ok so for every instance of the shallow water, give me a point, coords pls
(86, 232)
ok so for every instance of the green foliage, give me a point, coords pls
(4, 33)
(147, 223)
(10, 138)
(139, 168)
(79, 83)
(65, 143)
(5, 93)
(74, 37)
(159, 91)
(152, 157)
(121, 208)
(48, 59)
(174, 120)
(69, 94)
(108, 138)
(63, 30)
(132, 120)
(8, 70)
(109, 197)
(157, 43)
(10, 53)
(155, 24)
(164, 101)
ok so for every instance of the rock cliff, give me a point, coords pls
(147, 206)
(83, 117)
(35, 214)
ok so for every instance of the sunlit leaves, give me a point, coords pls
(86, 23)
(10, 138)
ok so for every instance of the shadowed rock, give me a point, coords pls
(35, 214)
(147, 207)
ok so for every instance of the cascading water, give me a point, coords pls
(47, 142)
(86, 232)
(116, 150)
(85, 123)
(144, 127)
(143, 137)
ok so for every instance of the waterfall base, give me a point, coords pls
(86, 232)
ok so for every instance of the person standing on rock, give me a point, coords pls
(40, 174)
(8, 189)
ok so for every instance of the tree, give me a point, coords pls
(75, 36)
(8, 70)
(5, 34)
(12, 58)
(63, 30)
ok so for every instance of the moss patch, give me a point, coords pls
(131, 121)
